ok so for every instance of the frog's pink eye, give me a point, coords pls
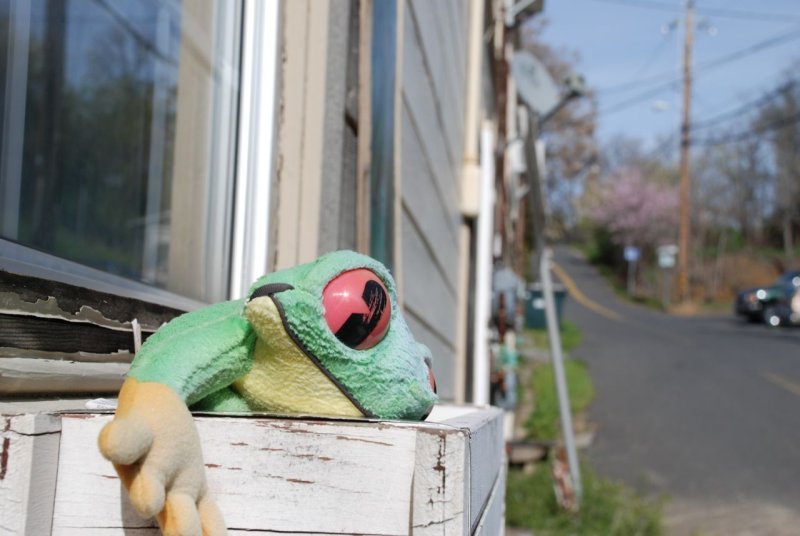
(357, 308)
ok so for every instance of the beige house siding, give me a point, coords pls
(316, 204)
(434, 56)
(315, 181)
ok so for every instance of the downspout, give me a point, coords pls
(483, 297)
(470, 209)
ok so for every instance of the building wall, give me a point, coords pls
(314, 184)
(317, 200)
(433, 82)
(316, 203)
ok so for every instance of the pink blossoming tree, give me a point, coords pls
(636, 211)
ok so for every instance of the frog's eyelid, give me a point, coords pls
(269, 289)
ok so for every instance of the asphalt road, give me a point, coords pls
(703, 410)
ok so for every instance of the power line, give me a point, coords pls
(716, 12)
(752, 49)
(743, 136)
(706, 66)
(749, 15)
(660, 46)
(647, 4)
(742, 109)
(639, 97)
(776, 40)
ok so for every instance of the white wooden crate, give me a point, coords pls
(271, 475)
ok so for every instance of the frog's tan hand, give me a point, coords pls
(155, 448)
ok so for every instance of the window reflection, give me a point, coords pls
(94, 116)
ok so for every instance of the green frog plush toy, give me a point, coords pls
(325, 338)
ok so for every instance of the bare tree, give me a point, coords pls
(780, 122)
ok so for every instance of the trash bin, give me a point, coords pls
(535, 316)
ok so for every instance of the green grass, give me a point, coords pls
(543, 423)
(607, 508)
(571, 337)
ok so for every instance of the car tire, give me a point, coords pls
(771, 316)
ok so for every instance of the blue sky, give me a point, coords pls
(620, 42)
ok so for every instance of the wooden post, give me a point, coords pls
(28, 463)
(685, 180)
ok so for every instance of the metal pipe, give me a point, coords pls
(483, 298)
(554, 335)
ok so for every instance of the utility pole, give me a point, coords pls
(685, 180)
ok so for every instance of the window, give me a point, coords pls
(119, 135)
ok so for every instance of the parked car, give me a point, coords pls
(775, 305)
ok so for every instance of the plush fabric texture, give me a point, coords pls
(389, 380)
(198, 353)
(275, 352)
(208, 356)
(155, 449)
(283, 379)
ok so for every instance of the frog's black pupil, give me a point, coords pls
(358, 326)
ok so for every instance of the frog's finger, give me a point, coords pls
(147, 492)
(126, 473)
(210, 517)
(125, 440)
(179, 516)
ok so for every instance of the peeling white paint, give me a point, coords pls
(11, 303)
(294, 476)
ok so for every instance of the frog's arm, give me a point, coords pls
(198, 353)
(152, 440)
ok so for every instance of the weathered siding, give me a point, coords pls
(434, 36)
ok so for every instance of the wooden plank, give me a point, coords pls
(81, 357)
(266, 474)
(442, 350)
(468, 434)
(455, 56)
(348, 221)
(30, 376)
(269, 475)
(41, 405)
(433, 200)
(28, 462)
(492, 520)
(431, 288)
(447, 90)
(351, 105)
(486, 454)
(427, 27)
(421, 96)
(333, 186)
(440, 489)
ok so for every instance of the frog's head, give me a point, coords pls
(341, 310)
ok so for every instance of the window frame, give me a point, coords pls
(253, 166)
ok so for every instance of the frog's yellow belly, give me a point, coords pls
(284, 379)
